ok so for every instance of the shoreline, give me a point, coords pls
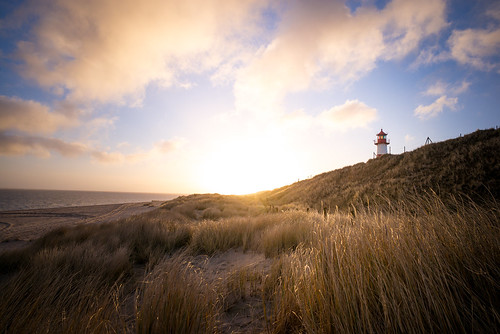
(19, 227)
(28, 199)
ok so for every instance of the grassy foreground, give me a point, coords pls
(413, 266)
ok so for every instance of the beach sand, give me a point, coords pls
(18, 228)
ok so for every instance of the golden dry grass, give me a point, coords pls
(418, 268)
(414, 266)
(467, 165)
(173, 298)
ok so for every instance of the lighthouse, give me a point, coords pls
(381, 143)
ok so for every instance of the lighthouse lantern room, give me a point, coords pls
(381, 143)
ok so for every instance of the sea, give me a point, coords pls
(23, 199)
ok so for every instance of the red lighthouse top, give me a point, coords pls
(382, 138)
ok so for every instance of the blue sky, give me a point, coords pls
(233, 96)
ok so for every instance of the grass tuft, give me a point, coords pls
(174, 299)
(421, 267)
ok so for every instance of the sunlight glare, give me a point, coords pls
(248, 165)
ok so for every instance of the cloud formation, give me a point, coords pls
(321, 42)
(442, 88)
(478, 48)
(435, 108)
(160, 148)
(447, 98)
(24, 122)
(430, 55)
(110, 50)
(351, 114)
(32, 117)
(475, 47)
(43, 147)
(12, 145)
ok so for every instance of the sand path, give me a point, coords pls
(240, 275)
(17, 228)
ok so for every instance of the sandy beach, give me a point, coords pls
(18, 228)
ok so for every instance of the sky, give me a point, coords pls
(234, 96)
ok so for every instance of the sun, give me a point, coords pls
(247, 165)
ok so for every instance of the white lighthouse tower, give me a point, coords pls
(381, 143)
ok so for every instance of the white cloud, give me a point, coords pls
(110, 50)
(464, 86)
(440, 88)
(32, 117)
(435, 108)
(430, 55)
(96, 126)
(478, 48)
(320, 42)
(447, 98)
(437, 89)
(352, 114)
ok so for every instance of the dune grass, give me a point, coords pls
(66, 290)
(419, 268)
(469, 165)
(173, 298)
(418, 265)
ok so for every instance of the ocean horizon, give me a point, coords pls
(26, 199)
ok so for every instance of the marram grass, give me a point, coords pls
(418, 266)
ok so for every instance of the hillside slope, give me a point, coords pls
(467, 165)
